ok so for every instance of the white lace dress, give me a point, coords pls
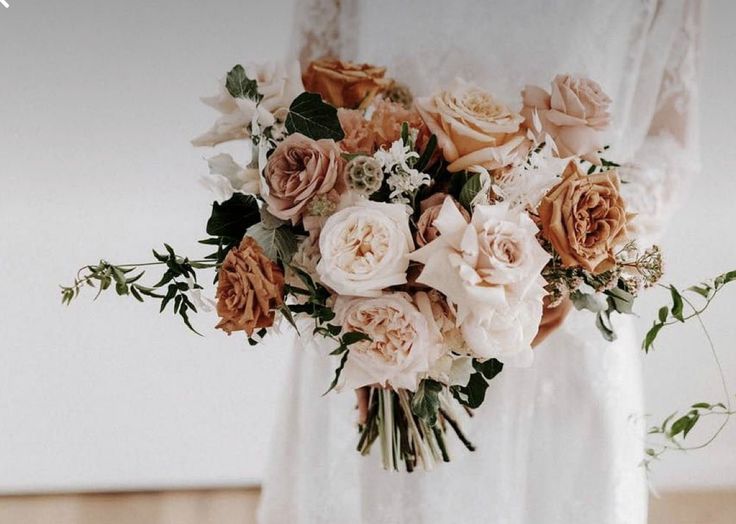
(560, 442)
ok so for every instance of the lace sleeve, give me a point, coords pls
(669, 155)
(317, 29)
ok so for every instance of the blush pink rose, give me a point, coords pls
(574, 115)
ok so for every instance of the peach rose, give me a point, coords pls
(472, 127)
(299, 170)
(430, 208)
(345, 84)
(359, 134)
(387, 119)
(573, 115)
(249, 289)
(584, 218)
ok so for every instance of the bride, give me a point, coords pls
(562, 441)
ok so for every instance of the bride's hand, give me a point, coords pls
(552, 318)
(362, 395)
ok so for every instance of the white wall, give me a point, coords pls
(98, 101)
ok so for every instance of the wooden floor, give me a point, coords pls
(238, 506)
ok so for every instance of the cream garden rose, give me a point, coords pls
(400, 349)
(472, 127)
(365, 248)
(574, 115)
(279, 84)
(489, 268)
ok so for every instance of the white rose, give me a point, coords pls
(279, 84)
(488, 268)
(506, 335)
(399, 351)
(365, 248)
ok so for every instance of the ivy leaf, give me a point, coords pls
(651, 335)
(239, 85)
(722, 280)
(425, 403)
(313, 118)
(278, 243)
(677, 304)
(469, 191)
(233, 217)
(703, 291)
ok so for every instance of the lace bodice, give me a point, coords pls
(643, 52)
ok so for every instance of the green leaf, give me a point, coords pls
(651, 335)
(313, 118)
(701, 405)
(663, 313)
(405, 133)
(239, 85)
(679, 425)
(233, 217)
(622, 301)
(469, 191)
(722, 280)
(278, 244)
(693, 420)
(603, 323)
(427, 154)
(677, 304)
(703, 291)
(338, 371)
(490, 368)
(587, 301)
(352, 337)
(473, 394)
(425, 403)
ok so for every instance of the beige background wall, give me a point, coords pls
(97, 104)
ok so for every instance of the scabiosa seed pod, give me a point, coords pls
(364, 175)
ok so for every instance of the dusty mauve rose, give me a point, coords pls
(584, 218)
(573, 115)
(430, 208)
(299, 170)
(345, 84)
(250, 287)
(472, 127)
(359, 134)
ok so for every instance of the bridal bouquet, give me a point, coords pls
(427, 239)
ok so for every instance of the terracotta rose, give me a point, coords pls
(345, 84)
(249, 289)
(299, 170)
(584, 217)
